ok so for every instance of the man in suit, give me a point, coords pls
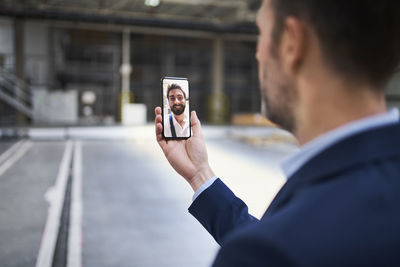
(323, 67)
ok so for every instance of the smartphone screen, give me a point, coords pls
(176, 108)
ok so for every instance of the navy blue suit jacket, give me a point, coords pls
(342, 208)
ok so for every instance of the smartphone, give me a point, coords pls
(175, 108)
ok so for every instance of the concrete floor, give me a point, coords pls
(23, 208)
(134, 204)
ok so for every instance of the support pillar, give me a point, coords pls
(19, 65)
(169, 59)
(218, 102)
(126, 95)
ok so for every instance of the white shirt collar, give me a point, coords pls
(294, 162)
(179, 130)
(185, 120)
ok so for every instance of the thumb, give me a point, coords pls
(196, 125)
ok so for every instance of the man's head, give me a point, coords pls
(358, 41)
(177, 99)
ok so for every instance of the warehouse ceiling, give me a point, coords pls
(215, 12)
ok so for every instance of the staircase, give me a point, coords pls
(16, 93)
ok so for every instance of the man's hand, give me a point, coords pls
(188, 157)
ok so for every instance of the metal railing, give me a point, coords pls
(15, 92)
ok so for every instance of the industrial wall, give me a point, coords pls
(86, 59)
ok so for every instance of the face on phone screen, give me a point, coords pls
(176, 114)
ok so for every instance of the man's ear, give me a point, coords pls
(293, 44)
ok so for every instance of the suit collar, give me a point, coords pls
(295, 161)
(378, 143)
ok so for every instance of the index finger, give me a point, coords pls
(157, 111)
(159, 127)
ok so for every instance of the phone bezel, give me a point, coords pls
(162, 107)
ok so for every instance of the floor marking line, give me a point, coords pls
(11, 150)
(75, 227)
(15, 157)
(55, 196)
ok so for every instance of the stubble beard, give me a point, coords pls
(178, 112)
(278, 94)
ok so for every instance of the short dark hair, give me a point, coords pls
(360, 39)
(174, 86)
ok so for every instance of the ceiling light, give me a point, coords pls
(152, 3)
